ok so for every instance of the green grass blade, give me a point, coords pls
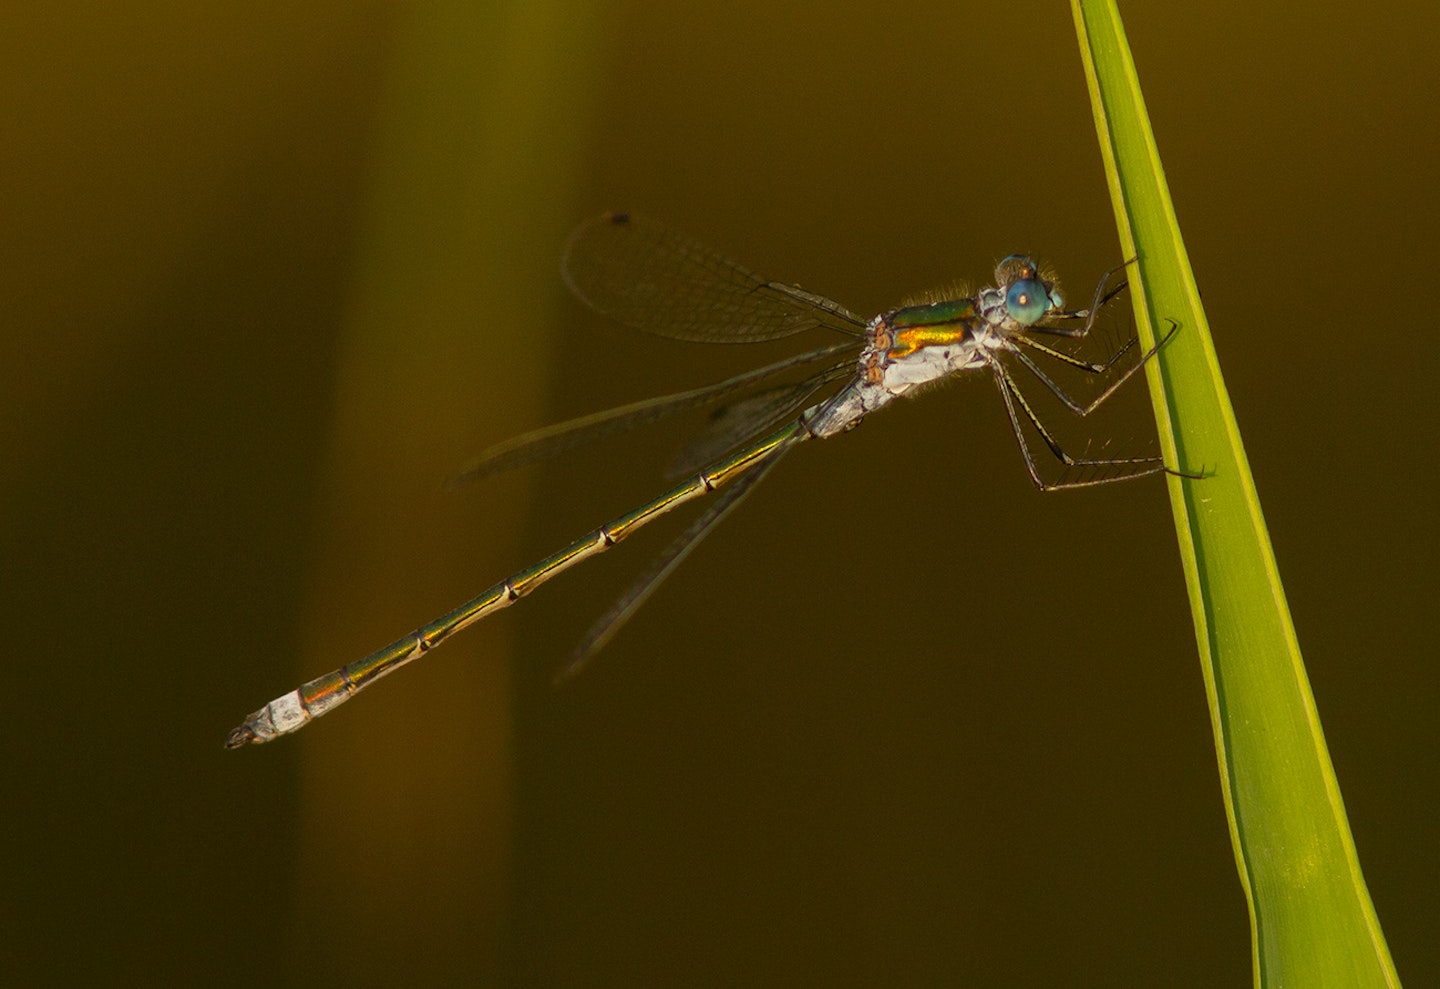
(1311, 918)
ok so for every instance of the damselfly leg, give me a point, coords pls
(1125, 468)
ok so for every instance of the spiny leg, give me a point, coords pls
(1098, 302)
(1072, 404)
(1013, 396)
(1089, 367)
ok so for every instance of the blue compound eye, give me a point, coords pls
(1027, 300)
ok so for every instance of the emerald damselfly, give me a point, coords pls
(651, 278)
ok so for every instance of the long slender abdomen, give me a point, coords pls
(298, 708)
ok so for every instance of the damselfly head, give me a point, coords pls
(1030, 294)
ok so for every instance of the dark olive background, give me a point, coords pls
(270, 273)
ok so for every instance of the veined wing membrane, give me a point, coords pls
(664, 565)
(648, 277)
(733, 424)
(550, 441)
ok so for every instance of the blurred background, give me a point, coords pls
(270, 273)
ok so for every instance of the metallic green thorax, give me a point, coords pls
(932, 313)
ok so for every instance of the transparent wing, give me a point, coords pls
(651, 278)
(733, 424)
(550, 441)
(639, 592)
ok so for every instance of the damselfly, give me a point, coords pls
(653, 279)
